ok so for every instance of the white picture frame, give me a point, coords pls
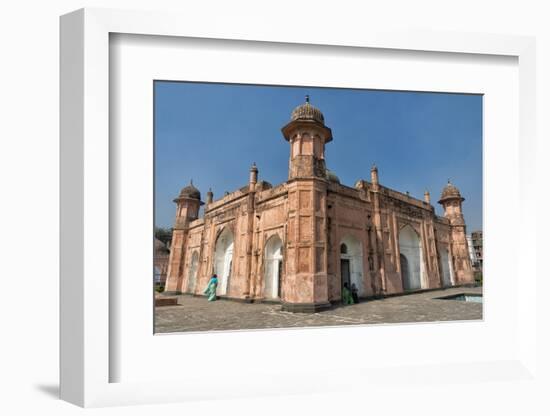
(87, 355)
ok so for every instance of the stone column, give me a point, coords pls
(187, 209)
(377, 220)
(451, 200)
(305, 287)
(249, 241)
(174, 278)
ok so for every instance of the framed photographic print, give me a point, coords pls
(261, 207)
(303, 241)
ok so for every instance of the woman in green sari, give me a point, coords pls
(347, 298)
(210, 290)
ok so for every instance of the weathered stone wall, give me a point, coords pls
(270, 218)
(306, 269)
(349, 219)
(312, 218)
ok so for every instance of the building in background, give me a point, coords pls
(471, 252)
(160, 262)
(477, 244)
(301, 241)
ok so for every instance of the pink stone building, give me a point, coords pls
(160, 261)
(298, 242)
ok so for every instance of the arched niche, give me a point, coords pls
(193, 269)
(410, 250)
(223, 260)
(447, 277)
(351, 263)
(273, 262)
(156, 274)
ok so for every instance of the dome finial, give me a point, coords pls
(450, 192)
(190, 191)
(306, 111)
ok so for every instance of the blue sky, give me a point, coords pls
(212, 133)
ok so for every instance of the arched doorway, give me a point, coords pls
(192, 280)
(273, 262)
(223, 260)
(156, 275)
(410, 258)
(404, 269)
(351, 263)
(446, 267)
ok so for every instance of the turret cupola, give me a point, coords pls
(188, 203)
(451, 200)
(450, 193)
(307, 134)
(189, 192)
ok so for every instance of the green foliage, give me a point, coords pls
(163, 234)
(478, 277)
(159, 288)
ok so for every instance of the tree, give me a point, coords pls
(164, 235)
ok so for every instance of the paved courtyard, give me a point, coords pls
(197, 314)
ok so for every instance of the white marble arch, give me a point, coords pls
(193, 269)
(156, 274)
(446, 266)
(223, 260)
(351, 249)
(412, 267)
(273, 258)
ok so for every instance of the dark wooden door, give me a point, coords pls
(279, 278)
(405, 272)
(344, 270)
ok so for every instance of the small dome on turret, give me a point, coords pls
(309, 120)
(307, 112)
(450, 192)
(331, 176)
(190, 192)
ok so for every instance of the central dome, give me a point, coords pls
(331, 176)
(190, 192)
(307, 112)
(450, 192)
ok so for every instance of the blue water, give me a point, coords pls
(466, 297)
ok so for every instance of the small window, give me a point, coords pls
(343, 249)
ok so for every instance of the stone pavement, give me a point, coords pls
(197, 314)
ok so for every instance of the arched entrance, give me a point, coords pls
(273, 262)
(192, 280)
(404, 269)
(410, 258)
(156, 275)
(223, 258)
(446, 267)
(351, 263)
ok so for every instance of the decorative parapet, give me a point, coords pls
(345, 190)
(229, 198)
(271, 193)
(196, 223)
(405, 198)
(442, 220)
